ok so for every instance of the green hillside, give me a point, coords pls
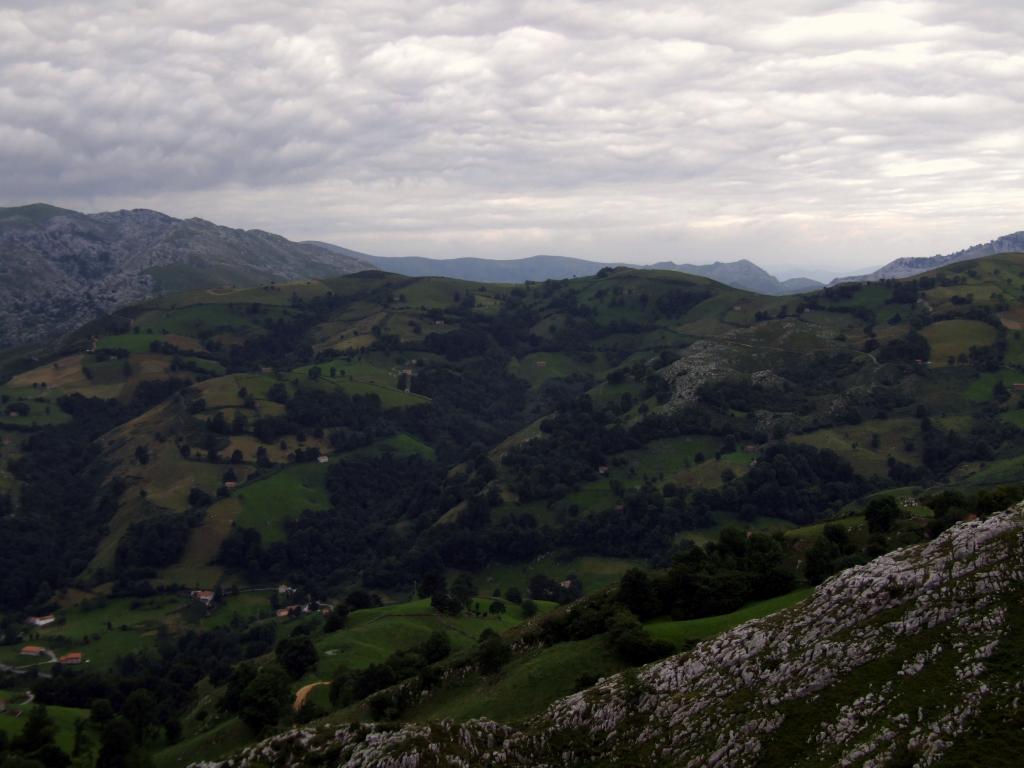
(451, 449)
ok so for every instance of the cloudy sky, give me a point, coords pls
(800, 133)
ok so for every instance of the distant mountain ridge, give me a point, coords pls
(60, 268)
(910, 266)
(742, 274)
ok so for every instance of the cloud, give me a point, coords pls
(794, 131)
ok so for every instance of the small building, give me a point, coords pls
(75, 657)
(1018, 386)
(42, 621)
(230, 484)
(32, 650)
(603, 469)
(288, 610)
(284, 589)
(322, 459)
(204, 596)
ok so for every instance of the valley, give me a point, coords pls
(414, 499)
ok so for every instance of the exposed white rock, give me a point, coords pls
(932, 615)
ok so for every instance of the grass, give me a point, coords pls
(363, 376)
(217, 742)
(375, 633)
(950, 338)
(542, 366)
(194, 569)
(596, 573)
(402, 444)
(267, 503)
(525, 687)
(200, 319)
(980, 388)
(680, 633)
(63, 717)
(106, 628)
(40, 414)
(854, 443)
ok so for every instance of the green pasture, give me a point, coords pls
(950, 338)
(63, 717)
(525, 687)
(371, 635)
(267, 503)
(681, 633)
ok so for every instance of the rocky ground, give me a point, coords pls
(908, 660)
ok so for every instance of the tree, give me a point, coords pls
(117, 742)
(39, 731)
(101, 711)
(337, 618)
(140, 709)
(881, 513)
(497, 607)
(142, 454)
(296, 655)
(529, 609)
(636, 592)
(513, 595)
(264, 699)
(492, 654)
(463, 589)
(436, 647)
(628, 638)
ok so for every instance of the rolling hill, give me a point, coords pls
(742, 274)
(662, 455)
(910, 265)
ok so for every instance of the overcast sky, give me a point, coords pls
(807, 133)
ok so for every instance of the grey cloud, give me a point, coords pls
(643, 130)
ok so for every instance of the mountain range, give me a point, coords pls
(389, 520)
(60, 268)
(743, 274)
(910, 265)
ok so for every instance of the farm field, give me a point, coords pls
(371, 635)
(951, 338)
(63, 717)
(680, 633)
(267, 503)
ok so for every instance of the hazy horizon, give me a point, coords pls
(810, 136)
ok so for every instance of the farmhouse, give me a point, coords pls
(204, 596)
(41, 621)
(75, 657)
(33, 650)
(322, 459)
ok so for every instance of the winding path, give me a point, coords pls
(303, 693)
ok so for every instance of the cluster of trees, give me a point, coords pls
(573, 444)
(153, 542)
(790, 481)
(63, 504)
(414, 665)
